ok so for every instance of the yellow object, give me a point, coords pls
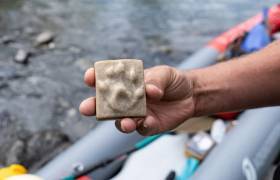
(12, 170)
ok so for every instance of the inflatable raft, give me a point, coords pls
(246, 152)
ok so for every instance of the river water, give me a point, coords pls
(42, 97)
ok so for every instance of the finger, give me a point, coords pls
(153, 92)
(149, 126)
(89, 77)
(126, 125)
(87, 107)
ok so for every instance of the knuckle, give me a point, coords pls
(164, 67)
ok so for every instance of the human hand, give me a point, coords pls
(170, 101)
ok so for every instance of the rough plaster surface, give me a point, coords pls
(120, 89)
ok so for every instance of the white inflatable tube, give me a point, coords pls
(248, 151)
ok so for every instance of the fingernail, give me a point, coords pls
(151, 86)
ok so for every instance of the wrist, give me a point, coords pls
(205, 93)
(191, 76)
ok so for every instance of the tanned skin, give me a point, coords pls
(173, 96)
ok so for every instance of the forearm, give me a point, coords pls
(248, 82)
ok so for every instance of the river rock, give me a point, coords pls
(16, 153)
(43, 143)
(44, 38)
(22, 56)
(6, 39)
(51, 45)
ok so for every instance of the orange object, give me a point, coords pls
(222, 42)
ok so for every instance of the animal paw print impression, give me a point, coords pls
(120, 90)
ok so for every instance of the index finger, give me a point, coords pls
(89, 77)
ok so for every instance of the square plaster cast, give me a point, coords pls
(120, 90)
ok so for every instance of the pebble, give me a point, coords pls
(6, 39)
(165, 49)
(71, 112)
(22, 56)
(44, 38)
(51, 45)
(16, 153)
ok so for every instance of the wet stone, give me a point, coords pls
(6, 39)
(165, 49)
(44, 38)
(43, 144)
(51, 45)
(120, 89)
(22, 56)
(16, 153)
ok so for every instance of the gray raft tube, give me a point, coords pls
(247, 152)
(105, 141)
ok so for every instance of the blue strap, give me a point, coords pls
(147, 141)
(256, 39)
(189, 169)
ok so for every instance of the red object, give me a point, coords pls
(222, 42)
(274, 19)
(227, 115)
(84, 178)
(225, 39)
